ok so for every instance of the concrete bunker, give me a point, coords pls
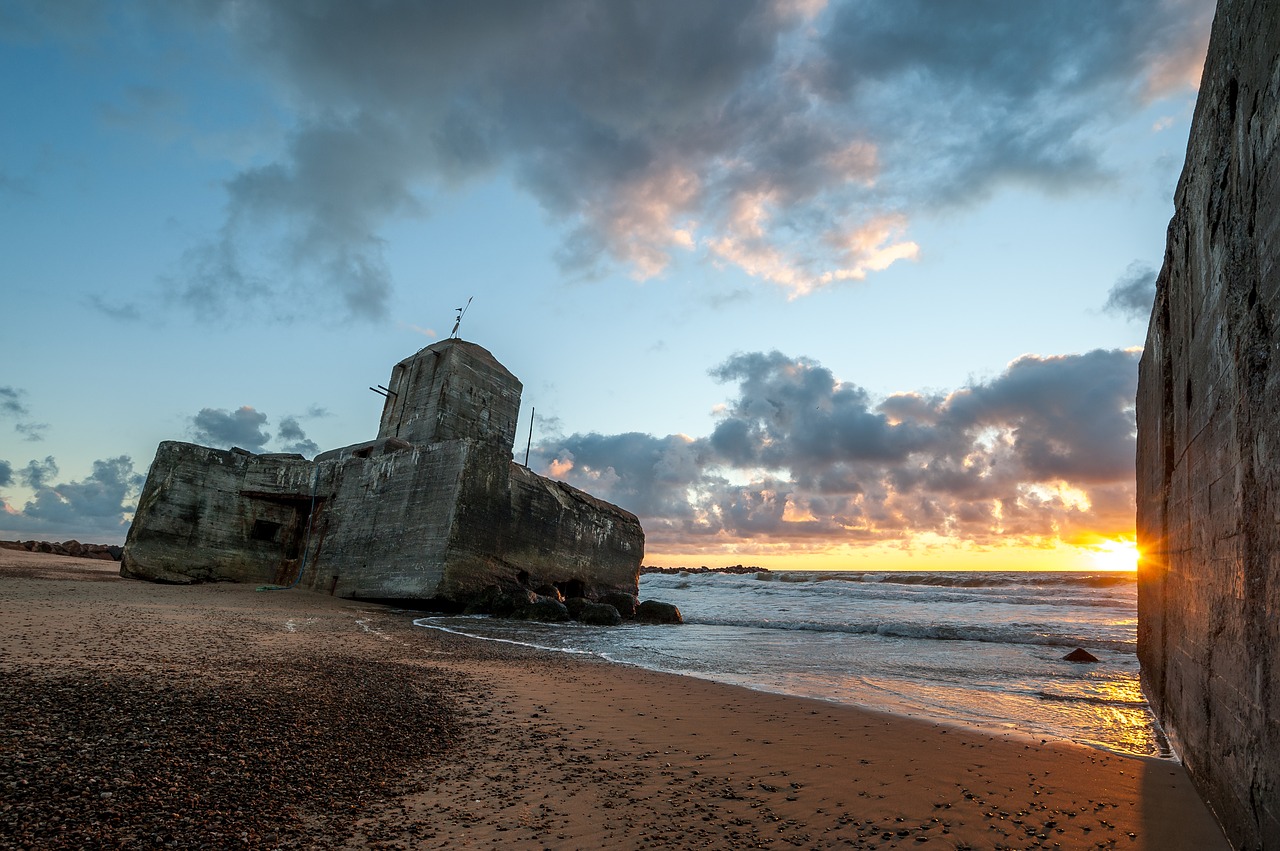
(433, 511)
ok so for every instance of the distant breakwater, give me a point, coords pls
(106, 552)
(733, 568)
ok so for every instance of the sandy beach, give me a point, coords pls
(141, 715)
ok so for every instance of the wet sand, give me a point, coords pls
(137, 715)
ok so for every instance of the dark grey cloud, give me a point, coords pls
(792, 142)
(6, 474)
(96, 507)
(11, 403)
(1134, 293)
(37, 474)
(1069, 417)
(292, 438)
(248, 428)
(1043, 451)
(31, 432)
(650, 474)
(243, 427)
(793, 413)
(987, 92)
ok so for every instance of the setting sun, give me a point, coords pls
(1115, 555)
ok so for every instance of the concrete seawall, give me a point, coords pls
(1208, 462)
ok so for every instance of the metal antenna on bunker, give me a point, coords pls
(462, 311)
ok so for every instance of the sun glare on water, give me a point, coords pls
(1115, 555)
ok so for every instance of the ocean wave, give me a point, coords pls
(1023, 598)
(430, 623)
(941, 579)
(1092, 699)
(1029, 579)
(1009, 634)
(806, 589)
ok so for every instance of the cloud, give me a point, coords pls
(151, 108)
(76, 20)
(31, 432)
(6, 474)
(122, 312)
(37, 474)
(247, 428)
(11, 402)
(292, 438)
(429, 333)
(98, 506)
(242, 427)
(1133, 293)
(970, 96)
(649, 473)
(1043, 452)
(795, 141)
(11, 405)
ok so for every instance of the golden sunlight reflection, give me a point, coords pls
(1114, 555)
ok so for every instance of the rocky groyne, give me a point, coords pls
(738, 569)
(110, 552)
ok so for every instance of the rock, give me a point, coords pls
(625, 603)
(482, 602)
(549, 591)
(509, 603)
(599, 614)
(543, 609)
(1080, 655)
(575, 605)
(653, 611)
(732, 568)
(1208, 419)
(66, 548)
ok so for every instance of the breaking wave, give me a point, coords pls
(1010, 634)
(1063, 579)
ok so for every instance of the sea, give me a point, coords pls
(975, 649)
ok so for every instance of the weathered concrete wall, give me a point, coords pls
(446, 521)
(387, 533)
(1209, 441)
(215, 515)
(565, 536)
(452, 390)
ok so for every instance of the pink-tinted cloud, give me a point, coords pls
(796, 140)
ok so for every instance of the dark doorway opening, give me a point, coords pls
(265, 530)
(572, 588)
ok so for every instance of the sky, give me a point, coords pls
(803, 284)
